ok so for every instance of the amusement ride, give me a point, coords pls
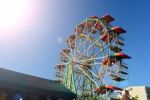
(93, 63)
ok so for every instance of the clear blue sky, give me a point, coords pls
(35, 49)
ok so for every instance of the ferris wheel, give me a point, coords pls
(93, 62)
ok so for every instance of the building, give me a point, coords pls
(18, 86)
(141, 92)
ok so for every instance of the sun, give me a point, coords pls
(11, 12)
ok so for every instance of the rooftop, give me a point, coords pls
(27, 83)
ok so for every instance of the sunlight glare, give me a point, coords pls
(11, 11)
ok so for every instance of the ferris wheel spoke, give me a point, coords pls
(89, 50)
(101, 71)
(96, 64)
(79, 82)
(95, 75)
(96, 71)
(76, 76)
(80, 40)
(77, 47)
(70, 48)
(79, 53)
(76, 34)
(84, 48)
(91, 59)
(90, 33)
(91, 72)
(85, 84)
(99, 52)
(92, 54)
(103, 79)
(105, 75)
(91, 45)
(66, 55)
(87, 75)
(75, 42)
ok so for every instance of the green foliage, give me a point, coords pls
(135, 98)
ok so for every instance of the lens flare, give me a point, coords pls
(11, 11)
(14, 12)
